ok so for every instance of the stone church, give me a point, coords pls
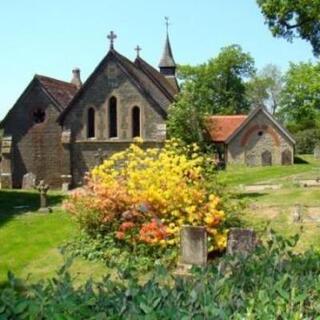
(59, 130)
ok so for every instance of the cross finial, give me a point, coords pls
(112, 36)
(138, 49)
(167, 23)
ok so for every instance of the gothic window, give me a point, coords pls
(113, 126)
(91, 123)
(38, 115)
(135, 122)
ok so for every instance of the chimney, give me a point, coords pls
(76, 79)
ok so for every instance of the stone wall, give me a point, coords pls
(260, 142)
(36, 147)
(110, 82)
(84, 155)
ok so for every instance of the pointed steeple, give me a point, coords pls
(167, 64)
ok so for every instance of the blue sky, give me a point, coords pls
(51, 37)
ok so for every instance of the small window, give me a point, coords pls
(113, 125)
(260, 133)
(91, 123)
(135, 122)
(39, 115)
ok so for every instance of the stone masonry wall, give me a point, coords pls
(36, 147)
(111, 82)
(258, 141)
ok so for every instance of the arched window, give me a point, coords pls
(113, 125)
(91, 123)
(135, 122)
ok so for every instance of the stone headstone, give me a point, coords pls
(66, 182)
(194, 245)
(241, 241)
(316, 152)
(43, 190)
(28, 181)
(297, 213)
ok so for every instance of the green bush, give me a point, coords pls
(306, 140)
(272, 283)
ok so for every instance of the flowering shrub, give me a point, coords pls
(145, 196)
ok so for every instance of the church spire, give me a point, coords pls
(167, 64)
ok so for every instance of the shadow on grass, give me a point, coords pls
(17, 202)
(299, 160)
(252, 195)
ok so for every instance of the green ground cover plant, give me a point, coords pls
(271, 283)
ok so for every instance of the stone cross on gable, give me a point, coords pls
(138, 49)
(100, 156)
(112, 36)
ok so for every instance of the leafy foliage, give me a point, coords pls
(300, 98)
(290, 19)
(264, 88)
(306, 140)
(272, 283)
(139, 198)
(215, 87)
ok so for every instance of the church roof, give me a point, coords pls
(62, 92)
(220, 128)
(152, 85)
(167, 60)
(158, 78)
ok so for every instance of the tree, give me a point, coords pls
(265, 87)
(300, 97)
(293, 18)
(215, 87)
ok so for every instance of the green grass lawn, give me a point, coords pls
(29, 240)
(274, 208)
(238, 175)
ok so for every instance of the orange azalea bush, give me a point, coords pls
(146, 196)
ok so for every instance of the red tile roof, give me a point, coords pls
(61, 91)
(220, 128)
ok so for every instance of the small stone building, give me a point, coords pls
(59, 130)
(254, 140)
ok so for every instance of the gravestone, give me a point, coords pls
(241, 241)
(43, 190)
(194, 246)
(286, 157)
(316, 152)
(28, 181)
(297, 213)
(266, 158)
(66, 182)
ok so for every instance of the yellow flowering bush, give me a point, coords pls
(145, 196)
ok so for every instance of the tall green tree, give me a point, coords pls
(293, 18)
(300, 97)
(264, 88)
(215, 87)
